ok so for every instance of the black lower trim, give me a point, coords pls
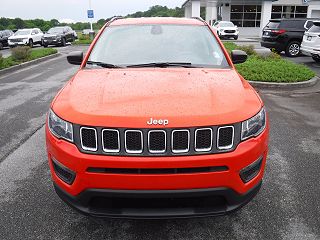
(150, 171)
(157, 204)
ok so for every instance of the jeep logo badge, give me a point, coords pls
(163, 122)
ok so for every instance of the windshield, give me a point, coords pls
(22, 32)
(55, 30)
(142, 44)
(315, 28)
(226, 24)
(273, 24)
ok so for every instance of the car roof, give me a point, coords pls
(292, 19)
(157, 20)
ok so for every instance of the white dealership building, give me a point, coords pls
(252, 15)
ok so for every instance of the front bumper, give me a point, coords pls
(51, 41)
(225, 188)
(224, 34)
(157, 204)
(13, 44)
(310, 51)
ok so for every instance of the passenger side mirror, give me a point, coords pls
(238, 56)
(75, 58)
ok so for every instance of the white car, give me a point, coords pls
(226, 29)
(311, 42)
(26, 37)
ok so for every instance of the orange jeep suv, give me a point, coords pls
(157, 123)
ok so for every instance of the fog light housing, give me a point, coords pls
(64, 173)
(251, 171)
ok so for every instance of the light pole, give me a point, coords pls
(90, 18)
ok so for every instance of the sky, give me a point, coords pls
(76, 10)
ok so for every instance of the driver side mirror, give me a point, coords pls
(75, 58)
(238, 56)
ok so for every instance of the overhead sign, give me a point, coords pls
(90, 14)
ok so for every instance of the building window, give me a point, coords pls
(285, 11)
(246, 15)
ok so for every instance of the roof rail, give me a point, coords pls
(115, 18)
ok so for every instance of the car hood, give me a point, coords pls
(19, 37)
(130, 97)
(51, 35)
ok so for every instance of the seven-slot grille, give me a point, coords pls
(146, 142)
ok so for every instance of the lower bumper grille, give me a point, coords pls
(150, 171)
(63, 172)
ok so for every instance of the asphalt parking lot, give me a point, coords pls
(287, 206)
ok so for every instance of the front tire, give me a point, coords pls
(316, 58)
(293, 49)
(1, 46)
(236, 37)
(63, 42)
(30, 44)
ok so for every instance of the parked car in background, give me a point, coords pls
(86, 31)
(226, 29)
(311, 42)
(4, 35)
(285, 35)
(58, 36)
(28, 37)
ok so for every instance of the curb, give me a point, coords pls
(27, 64)
(295, 85)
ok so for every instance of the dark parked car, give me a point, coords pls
(4, 35)
(58, 36)
(285, 35)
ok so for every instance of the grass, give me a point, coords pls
(82, 42)
(83, 39)
(35, 54)
(272, 68)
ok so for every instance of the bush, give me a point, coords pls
(1, 59)
(248, 49)
(21, 53)
(270, 68)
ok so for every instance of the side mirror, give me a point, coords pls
(75, 58)
(238, 56)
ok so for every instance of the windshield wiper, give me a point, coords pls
(102, 64)
(163, 65)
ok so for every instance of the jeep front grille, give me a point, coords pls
(180, 141)
(110, 140)
(133, 141)
(157, 142)
(225, 137)
(89, 139)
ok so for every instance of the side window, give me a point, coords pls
(308, 24)
(33, 32)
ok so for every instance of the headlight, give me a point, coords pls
(254, 126)
(59, 127)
